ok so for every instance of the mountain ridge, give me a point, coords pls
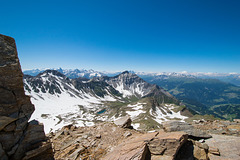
(233, 78)
(79, 101)
(186, 87)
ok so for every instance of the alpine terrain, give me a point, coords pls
(148, 121)
(204, 96)
(60, 100)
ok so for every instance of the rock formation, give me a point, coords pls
(19, 139)
(124, 122)
(109, 141)
(172, 126)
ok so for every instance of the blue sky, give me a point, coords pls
(140, 35)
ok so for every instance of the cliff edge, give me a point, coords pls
(19, 139)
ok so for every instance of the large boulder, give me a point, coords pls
(124, 122)
(171, 126)
(134, 149)
(167, 144)
(15, 108)
(157, 145)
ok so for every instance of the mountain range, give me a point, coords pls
(71, 73)
(60, 100)
(203, 93)
(204, 96)
(233, 78)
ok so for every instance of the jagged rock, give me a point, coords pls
(214, 151)
(200, 153)
(157, 145)
(33, 135)
(76, 153)
(124, 122)
(9, 139)
(171, 126)
(167, 144)
(4, 121)
(94, 141)
(200, 150)
(17, 136)
(37, 154)
(82, 143)
(201, 145)
(134, 149)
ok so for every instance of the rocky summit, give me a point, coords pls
(109, 141)
(121, 137)
(19, 139)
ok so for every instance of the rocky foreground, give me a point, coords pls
(19, 138)
(177, 140)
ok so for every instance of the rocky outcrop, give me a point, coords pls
(224, 147)
(218, 127)
(124, 122)
(82, 142)
(17, 136)
(135, 148)
(171, 126)
(166, 145)
(107, 141)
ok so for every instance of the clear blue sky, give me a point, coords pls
(110, 35)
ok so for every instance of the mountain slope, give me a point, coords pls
(56, 97)
(206, 96)
(60, 101)
(130, 85)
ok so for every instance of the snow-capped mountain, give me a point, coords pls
(55, 95)
(80, 73)
(129, 84)
(233, 78)
(70, 73)
(60, 100)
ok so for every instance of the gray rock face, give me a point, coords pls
(54, 82)
(224, 147)
(171, 126)
(167, 144)
(15, 107)
(124, 122)
(129, 84)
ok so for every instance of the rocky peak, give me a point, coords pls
(127, 75)
(51, 73)
(18, 137)
(49, 81)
